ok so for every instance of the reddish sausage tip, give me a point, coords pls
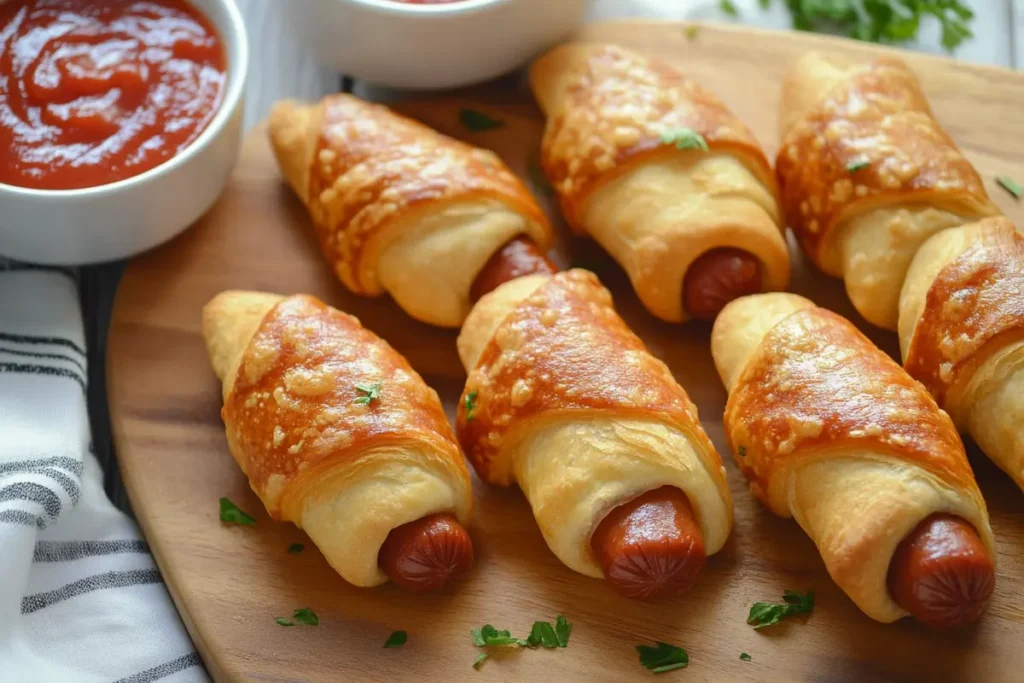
(427, 554)
(716, 278)
(650, 547)
(517, 258)
(942, 573)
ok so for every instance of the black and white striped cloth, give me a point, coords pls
(81, 599)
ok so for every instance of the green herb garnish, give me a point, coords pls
(480, 659)
(741, 451)
(729, 8)
(470, 403)
(305, 616)
(477, 121)
(663, 657)
(685, 138)
(881, 21)
(295, 548)
(370, 392)
(281, 621)
(691, 31)
(563, 629)
(488, 636)
(855, 166)
(396, 639)
(543, 633)
(549, 636)
(232, 514)
(764, 614)
(745, 657)
(1010, 185)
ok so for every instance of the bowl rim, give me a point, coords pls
(447, 9)
(236, 41)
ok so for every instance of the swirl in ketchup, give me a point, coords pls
(95, 91)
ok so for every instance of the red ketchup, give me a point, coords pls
(95, 91)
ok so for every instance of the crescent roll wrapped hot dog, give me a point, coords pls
(338, 435)
(663, 175)
(830, 431)
(397, 206)
(867, 175)
(961, 330)
(565, 400)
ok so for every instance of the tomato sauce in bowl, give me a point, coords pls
(96, 91)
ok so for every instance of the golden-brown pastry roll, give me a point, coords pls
(398, 207)
(334, 430)
(662, 175)
(831, 431)
(962, 333)
(867, 174)
(565, 400)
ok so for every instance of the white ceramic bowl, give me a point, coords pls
(420, 47)
(68, 227)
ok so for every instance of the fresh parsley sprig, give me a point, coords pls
(1010, 185)
(477, 121)
(563, 629)
(396, 639)
(764, 614)
(232, 514)
(470, 403)
(303, 615)
(546, 635)
(488, 636)
(662, 657)
(543, 634)
(685, 138)
(306, 616)
(370, 392)
(882, 21)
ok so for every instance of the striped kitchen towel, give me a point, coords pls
(81, 599)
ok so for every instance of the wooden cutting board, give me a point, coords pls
(231, 582)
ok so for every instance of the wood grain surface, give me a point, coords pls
(231, 582)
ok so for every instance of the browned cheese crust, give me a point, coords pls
(815, 385)
(292, 414)
(563, 351)
(879, 117)
(611, 113)
(976, 302)
(370, 166)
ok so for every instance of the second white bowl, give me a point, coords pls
(447, 45)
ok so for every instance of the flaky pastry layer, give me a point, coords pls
(348, 471)
(565, 400)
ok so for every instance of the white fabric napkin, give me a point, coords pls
(81, 599)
